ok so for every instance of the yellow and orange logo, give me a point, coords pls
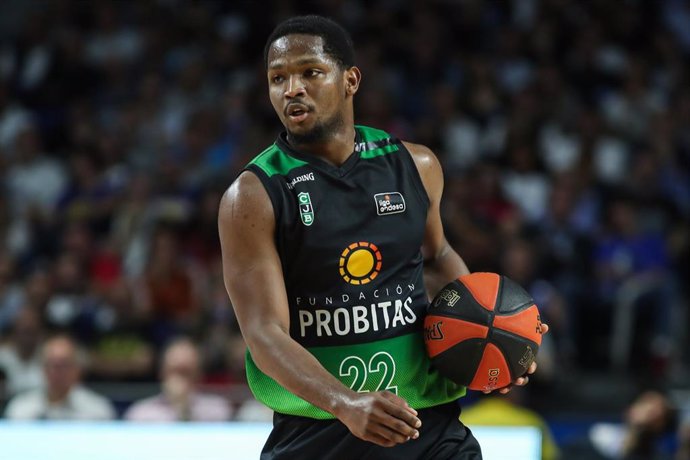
(360, 263)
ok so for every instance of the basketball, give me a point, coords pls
(482, 331)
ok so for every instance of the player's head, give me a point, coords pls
(311, 76)
(337, 42)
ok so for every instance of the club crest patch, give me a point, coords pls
(306, 210)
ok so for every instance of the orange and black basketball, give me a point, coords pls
(482, 331)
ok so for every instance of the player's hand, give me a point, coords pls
(522, 381)
(381, 417)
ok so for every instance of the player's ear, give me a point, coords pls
(352, 78)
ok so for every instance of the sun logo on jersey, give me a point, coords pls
(360, 263)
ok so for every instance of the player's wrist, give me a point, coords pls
(341, 403)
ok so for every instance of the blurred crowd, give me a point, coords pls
(562, 127)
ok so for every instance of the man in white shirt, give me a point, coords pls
(20, 357)
(63, 397)
(180, 399)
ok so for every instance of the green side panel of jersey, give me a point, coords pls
(274, 161)
(374, 145)
(399, 365)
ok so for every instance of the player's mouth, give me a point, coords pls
(297, 112)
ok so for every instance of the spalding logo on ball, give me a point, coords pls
(482, 331)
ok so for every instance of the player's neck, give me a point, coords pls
(335, 149)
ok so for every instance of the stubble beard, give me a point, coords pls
(320, 133)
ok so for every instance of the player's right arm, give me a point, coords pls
(254, 280)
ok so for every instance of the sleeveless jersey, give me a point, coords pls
(349, 239)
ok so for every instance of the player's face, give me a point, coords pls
(306, 87)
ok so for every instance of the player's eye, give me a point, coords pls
(277, 79)
(312, 73)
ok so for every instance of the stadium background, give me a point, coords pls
(562, 127)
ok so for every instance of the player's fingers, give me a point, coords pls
(410, 409)
(398, 400)
(401, 427)
(544, 328)
(532, 368)
(391, 434)
(395, 422)
(405, 416)
(503, 390)
(398, 408)
(520, 381)
(380, 440)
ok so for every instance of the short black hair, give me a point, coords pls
(337, 42)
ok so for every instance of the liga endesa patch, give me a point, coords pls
(389, 203)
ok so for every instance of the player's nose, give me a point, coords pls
(294, 87)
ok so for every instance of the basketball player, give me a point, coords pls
(332, 243)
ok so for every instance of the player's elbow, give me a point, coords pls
(263, 341)
(433, 259)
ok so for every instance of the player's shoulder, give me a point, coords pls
(246, 190)
(419, 151)
(424, 158)
(274, 161)
(248, 182)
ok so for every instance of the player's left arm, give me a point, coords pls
(441, 263)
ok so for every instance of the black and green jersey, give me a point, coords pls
(349, 239)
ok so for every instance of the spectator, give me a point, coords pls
(70, 299)
(520, 261)
(63, 398)
(20, 358)
(119, 349)
(170, 291)
(11, 292)
(35, 180)
(509, 410)
(628, 256)
(646, 422)
(683, 442)
(180, 399)
(252, 410)
(525, 184)
(13, 118)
